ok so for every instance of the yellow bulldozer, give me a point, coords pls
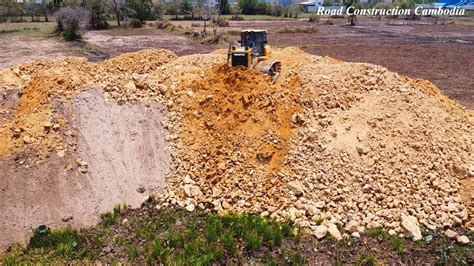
(254, 52)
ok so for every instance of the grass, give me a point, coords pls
(28, 28)
(365, 259)
(175, 236)
(296, 30)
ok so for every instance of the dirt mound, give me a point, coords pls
(236, 124)
(139, 62)
(330, 142)
(368, 146)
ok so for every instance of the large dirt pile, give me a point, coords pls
(330, 142)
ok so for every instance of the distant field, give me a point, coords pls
(28, 28)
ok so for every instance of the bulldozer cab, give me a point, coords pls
(254, 38)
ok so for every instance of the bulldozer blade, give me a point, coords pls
(270, 67)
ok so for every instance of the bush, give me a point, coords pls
(314, 18)
(98, 19)
(69, 22)
(135, 23)
(140, 9)
(222, 22)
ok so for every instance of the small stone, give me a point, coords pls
(225, 205)
(351, 226)
(187, 180)
(362, 150)
(320, 231)
(67, 218)
(56, 126)
(450, 233)
(124, 221)
(26, 140)
(81, 162)
(61, 153)
(462, 239)
(296, 187)
(392, 232)
(47, 125)
(16, 133)
(411, 225)
(130, 86)
(141, 189)
(190, 207)
(334, 232)
(355, 234)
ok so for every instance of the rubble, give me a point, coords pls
(340, 143)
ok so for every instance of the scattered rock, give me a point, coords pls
(462, 239)
(190, 207)
(450, 233)
(411, 225)
(296, 187)
(320, 231)
(67, 218)
(334, 232)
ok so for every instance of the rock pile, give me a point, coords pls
(330, 145)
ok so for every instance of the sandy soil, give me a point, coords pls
(127, 158)
(20, 49)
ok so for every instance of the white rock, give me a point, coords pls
(411, 225)
(190, 207)
(296, 187)
(351, 226)
(391, 232)
(355, 234)
(450, 233)
(320, 231)
(462, 239)
(334, 232)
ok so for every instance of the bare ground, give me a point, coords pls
(126, 155)
(115, 42)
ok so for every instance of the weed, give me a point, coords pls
(398, 244)
(297, 258)
(133, 252)
(252, 240)
(229, 243)
(110, 218)
(379, 233)
(63, 243)
(365, 259)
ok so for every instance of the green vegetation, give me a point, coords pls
(365, 259)
(175, 236)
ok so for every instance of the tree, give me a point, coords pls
(140, 9)
(352, 18)
(186, 8)
(248, 7)
(117, 7)
(159, 10)
(172, 8)
(98, 17)
(327, 3)
(224, 7)
(30, 9)
(10, 10)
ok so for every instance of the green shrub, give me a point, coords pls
(135, 23)
(64, 243)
